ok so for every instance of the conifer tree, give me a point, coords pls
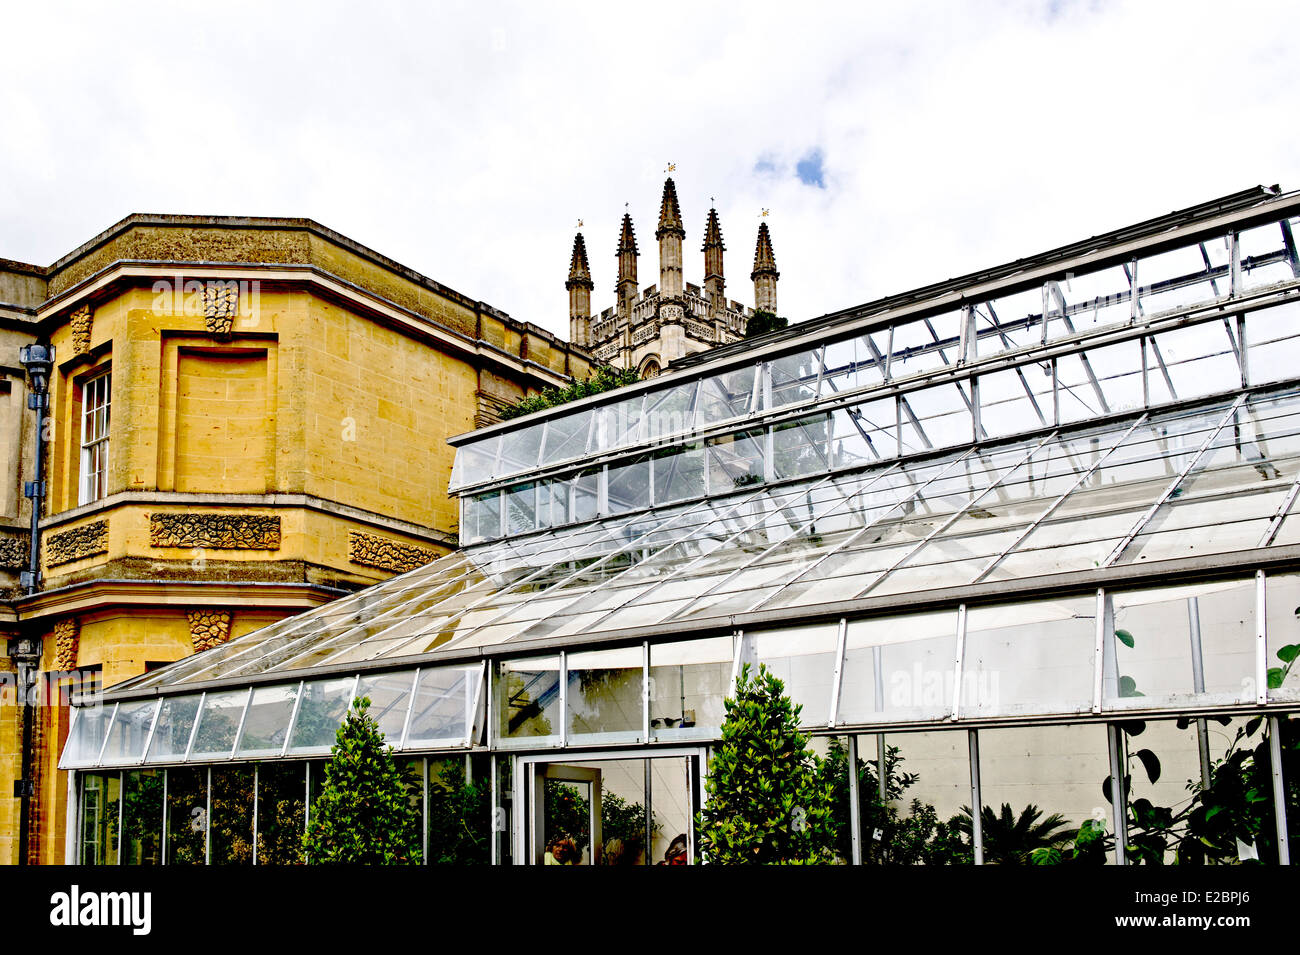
(364, 814)
(767, 802)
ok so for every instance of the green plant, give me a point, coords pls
(568, 817)
(762, 322)
(769, 801)
(1011, 839)
(603, 378)
(459, 818)
(365, 813)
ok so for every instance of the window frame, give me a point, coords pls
(93, 439)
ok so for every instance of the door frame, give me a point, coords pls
(529, 822)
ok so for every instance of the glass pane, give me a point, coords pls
(444, 702)
(1162, 638)
(1182, 277)
(1283, 637)
(521, 508)
(1057, 772)
(605, 695)
(670, 410)
(142, 820)
(475, 462)
(267, 722)
(129, 733)
(187, 816)
(899, 668)
(1010, 322)
(850, 365)
(218, 724)
(527, 699)
(460, 817)
(724, 396)
(736, 461)
(937, 417)
(1016, 400)
(86, 738)
(281, 813)
(520, 450)
(794, 378)
(566, 437)
(688, 682)
(171, 736)
(1273, 343)
(232, 815)
(865, 433)
(673, 803)
(324, 704)
(629, 485)
(803, 658)
(482, 517)
(100, 795)
(390, 696)
(1267, 257)
(916, 820)
(679, 473)
(1029, 658)
(1192, 361)
(800, 448)
(1096, 299)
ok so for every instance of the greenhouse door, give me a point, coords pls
(609, 809)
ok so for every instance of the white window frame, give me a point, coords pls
(96, 402)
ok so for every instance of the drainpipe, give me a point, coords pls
(25, 651)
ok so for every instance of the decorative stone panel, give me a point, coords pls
(77, 543)
(67, 639)
(81, 320)
(374, 551)
(14, 552)
(220, 305)
(217, 531)
(208, 628)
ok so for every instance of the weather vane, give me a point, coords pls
(763, 214)
(672, 167)
(579, 223)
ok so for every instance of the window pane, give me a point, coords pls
(390, 696)
(1192, 361)
(142, 820)
(171, 736)
(100, 802)
(679, 473)
(1016, 400)
(1283, 637)
(281, 808)
(899, 668)
(218, 724)
(1161, 636)
(444, 701)
(86, 738)
(324, 704)
(629, 485)
(232, 815)
(520, 450)
(187, 816)
(130, 732)
(794, 378)
(1266, 258)
(850, 365)
(688, 682)
(736, 461)
(267, 723)
(724, 396)
(521, 508)
(803, 658)
(605, 695)
(800, 447)
(1273, 343)
(1029, 658)
(527, 698)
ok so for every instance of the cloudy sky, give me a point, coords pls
(894, 144)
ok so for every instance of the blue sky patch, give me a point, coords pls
(809, 170)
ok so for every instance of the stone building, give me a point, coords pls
(650, 328)
(247, 419)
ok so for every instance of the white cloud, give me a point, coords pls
(465, 140)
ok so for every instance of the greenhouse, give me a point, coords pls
(1026, 540)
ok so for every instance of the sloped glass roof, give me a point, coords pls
(1211, 478)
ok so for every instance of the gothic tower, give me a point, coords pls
(714, 283)
(579, 286)
(670, 235)
(765, 273)
(627, 254)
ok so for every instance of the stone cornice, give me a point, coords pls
(167, 499)
(329, 284)
(115, 592)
